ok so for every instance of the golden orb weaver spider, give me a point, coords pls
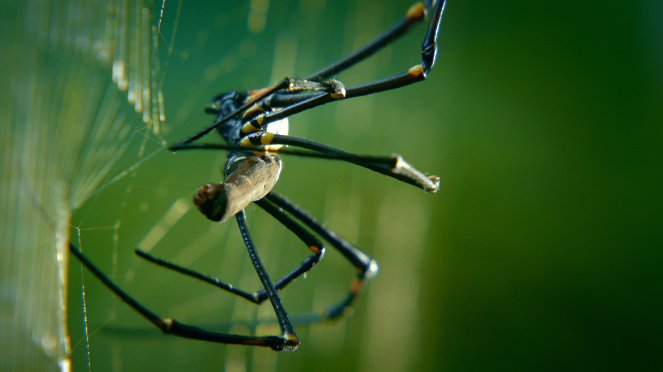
(254, 126)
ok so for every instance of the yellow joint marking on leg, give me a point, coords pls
(260, 118)
(245, 142)
(314, 248)
(416, 71)
(168, 322)
(249, 128)
(416, 12)
(266, 138)
(253, 110)
(254, 125)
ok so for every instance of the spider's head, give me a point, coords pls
(225, 103)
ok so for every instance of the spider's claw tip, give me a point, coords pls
(436, 184)
(291, 342)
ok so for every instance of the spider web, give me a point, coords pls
(67, 126)
(130, 192)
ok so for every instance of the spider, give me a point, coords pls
(254, 125)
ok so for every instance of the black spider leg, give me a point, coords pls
(289, 340)
(298, 103)
(392, 166)
(173, 327)
(414, 14)
(429, 50)
(257, 297)
(275, 205)
(429, 46)
(305, 102)
(256, 98)
(367, 267)
(333, 87)
(395, 167)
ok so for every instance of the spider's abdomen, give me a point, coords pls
(250, 179)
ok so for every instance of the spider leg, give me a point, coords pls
(367, 267)
(296, 104)
(256, 98)
(387, 165)
(278, 205)
(413, 75)
(414, 14)
(194, 274)
(393, 166)
(332, 87)
(429, 46)
(289, 339)
(333, 93)
(314, 245)
(173, 327)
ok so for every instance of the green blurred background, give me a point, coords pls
(540, 252)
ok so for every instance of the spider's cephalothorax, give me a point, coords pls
(248, 176)
(255, 129)
(224, 105)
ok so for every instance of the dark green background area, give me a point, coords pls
(542, 250)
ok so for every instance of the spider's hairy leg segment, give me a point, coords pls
(333, 87)
(428, 182)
